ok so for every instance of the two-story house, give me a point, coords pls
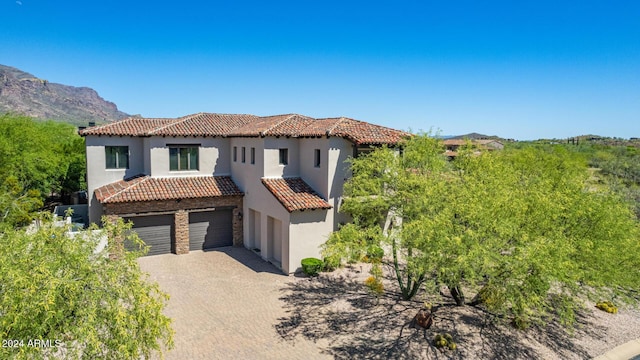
(272, 184)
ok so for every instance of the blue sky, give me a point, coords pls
(516, 69)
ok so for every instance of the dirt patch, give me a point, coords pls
(338, 310)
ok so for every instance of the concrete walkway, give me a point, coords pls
(627, 351)
(224, 305)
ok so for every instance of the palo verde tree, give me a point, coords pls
(62, 297)
(388, 188)
(520, 231)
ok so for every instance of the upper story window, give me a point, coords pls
(316, 158)
(117, 157)
(253, 155)
(244, 154)
(284, 156)
(235, 153)
(183, 158)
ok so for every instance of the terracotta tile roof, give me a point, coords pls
(146, 188)
(205, 124)
(127, 127)
(295, 194)
(234, 125)
(269, 125)
(361, 132)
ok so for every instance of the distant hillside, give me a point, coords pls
(604, 140)
(23, 93)
(476, 136)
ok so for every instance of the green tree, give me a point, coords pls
(518, 230)
(17, 206)
(95, 305)
(46, 156)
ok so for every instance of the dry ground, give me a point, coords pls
(336, 310)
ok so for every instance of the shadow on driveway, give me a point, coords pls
(247, 258)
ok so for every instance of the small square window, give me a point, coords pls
(253, 155)
(316, 158)
(284, 157)
(235, 153)
(244, 154)
(117, 157)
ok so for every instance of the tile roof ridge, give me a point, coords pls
(92, 128)
(144, 178)
(330, 130)
(263, 133)
(176, 121)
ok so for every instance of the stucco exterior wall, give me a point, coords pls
(309, 229)
(213, 156)
(339, 151)
(97, 172)
(246, 175)
(272, 168)
(316, 177)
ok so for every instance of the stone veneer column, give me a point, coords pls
(181, 224)
(237, 226)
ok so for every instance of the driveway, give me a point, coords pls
(224, 305)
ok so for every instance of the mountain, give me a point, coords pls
(476, 136)
(23, 93)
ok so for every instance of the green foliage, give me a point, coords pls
(312, 266)
(56, 287)
(521, 229)
(375, 285)
(17, 206)
(331, 263)
(444, 341)
(375, 254)
(607, 306)
(46, 156)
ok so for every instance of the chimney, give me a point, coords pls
(92, 123)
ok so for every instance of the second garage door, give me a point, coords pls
(156, 231)
(210, 229)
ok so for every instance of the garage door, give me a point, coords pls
(210, 229)
(156, 231)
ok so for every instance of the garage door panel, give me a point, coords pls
(156, 231)
(210, 229)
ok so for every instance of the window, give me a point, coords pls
(117, 157)
(183, 158)
(235, 153)
(253, 155)
(284, 156)
(244, 154)
(316, 158)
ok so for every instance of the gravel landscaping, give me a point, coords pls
(337, 309)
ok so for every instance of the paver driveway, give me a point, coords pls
(224, 305)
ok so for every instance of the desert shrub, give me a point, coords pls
(607, 306)
(444, 341)
(375, 253)
(331, 263)
(312, 266)
(375, 285)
